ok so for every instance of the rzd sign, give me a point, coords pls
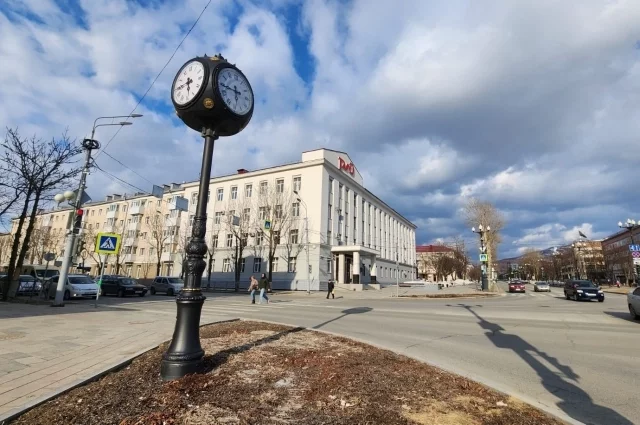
(349, 168)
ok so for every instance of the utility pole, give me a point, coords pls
(76, 222)
(483, 256)
(306, 231)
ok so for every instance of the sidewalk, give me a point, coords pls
(45, 349)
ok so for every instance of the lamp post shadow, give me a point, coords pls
(562, 383)
(347, 312)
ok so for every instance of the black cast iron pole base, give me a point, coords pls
(185, 353)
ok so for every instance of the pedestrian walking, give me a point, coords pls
(330, 289)
(253, 286)
(263, 285)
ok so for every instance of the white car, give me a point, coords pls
(166, 284)
(541, 287)
(77, 286)
(633, 299)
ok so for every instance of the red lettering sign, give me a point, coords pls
(349, 168)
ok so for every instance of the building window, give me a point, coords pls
(242, 263)
(292, 264)
(259, 238)
(276, 237)
(295, 209)
(244, 240)
(278, 211)
(246, 215)
(141, 251)
(194, 198)
(234, 192)
(229, 240)
(280, 185)
(262, 213)
(214, 241)
(217, 217)
(293, 236)
(263, 188)
(220, 194)
(248, 189)
(226, 265)
(257, 265)
(329, 241)
(297, 183)
(274, 266)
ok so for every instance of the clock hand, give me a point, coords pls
(229, 88)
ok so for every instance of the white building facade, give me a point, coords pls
(314, 217)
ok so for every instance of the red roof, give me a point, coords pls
(433, 248)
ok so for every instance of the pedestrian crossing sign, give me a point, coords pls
(107, 243)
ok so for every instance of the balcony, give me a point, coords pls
(108, 228)
(136, 209)
(171, 221)
(129, 241)
(134, 226)
(112, 213)
(167, 257)
(129, 258)
(178, 203)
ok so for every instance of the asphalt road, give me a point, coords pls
(578, 360)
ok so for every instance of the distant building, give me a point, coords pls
(619, 263)
(427, 257)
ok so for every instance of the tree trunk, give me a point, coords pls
(158, 268)
(209, 267)
(14, 248)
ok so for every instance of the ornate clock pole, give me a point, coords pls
(214, 97)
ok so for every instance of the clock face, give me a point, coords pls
(235, 91)
(188, 83)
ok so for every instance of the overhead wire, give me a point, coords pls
(103, 150)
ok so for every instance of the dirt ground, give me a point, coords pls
(259, 373)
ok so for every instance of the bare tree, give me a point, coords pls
(460, 257)
(39, 168)
(212, 248)
(531, 258)
(156, 234)
(477, 212)
(274, 206)
(474, 273)
(237, 222)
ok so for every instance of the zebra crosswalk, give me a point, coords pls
(535, 294)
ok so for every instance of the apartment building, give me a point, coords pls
(315, 218)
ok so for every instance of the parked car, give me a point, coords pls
(29, 285)
(633, 300)
(583, 290)
(121, 286)
(77, 286)
(517, 286)
(541, 287)
(167, 285)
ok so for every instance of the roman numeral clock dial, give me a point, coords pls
(189, 83)
(235, 91)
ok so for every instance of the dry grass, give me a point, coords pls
(261, 373)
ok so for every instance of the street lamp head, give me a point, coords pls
(296, 192)
(633, 222)
(136, 115)
(69, 195)
(488, 228)
(473, 229)
(619, 224)
(480, 227)
(125, 123)
(59, 198)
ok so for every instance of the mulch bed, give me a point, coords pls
(260, 373)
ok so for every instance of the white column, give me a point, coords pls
(356, 267)
(341, 268)
(374, 271)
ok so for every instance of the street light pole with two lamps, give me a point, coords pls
(76, 215)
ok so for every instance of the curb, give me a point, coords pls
(554, 413)
(19, 411)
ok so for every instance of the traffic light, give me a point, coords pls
(77, 224)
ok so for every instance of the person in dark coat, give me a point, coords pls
(263, 285)
(330, 288)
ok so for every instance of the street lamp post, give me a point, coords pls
(482, 231)
(306, 231)
(76, 215)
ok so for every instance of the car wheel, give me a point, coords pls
(575, 296)
(67, 295)
(566, 295)
(142, 294)
(601, 300)
(103, 292)
(633, 313)
(120, 293)
(152, 290)
(170, 292)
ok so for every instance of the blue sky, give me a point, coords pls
(436, 102)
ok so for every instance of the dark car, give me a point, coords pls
(583, 290)
(121, 286)
(517, 286)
